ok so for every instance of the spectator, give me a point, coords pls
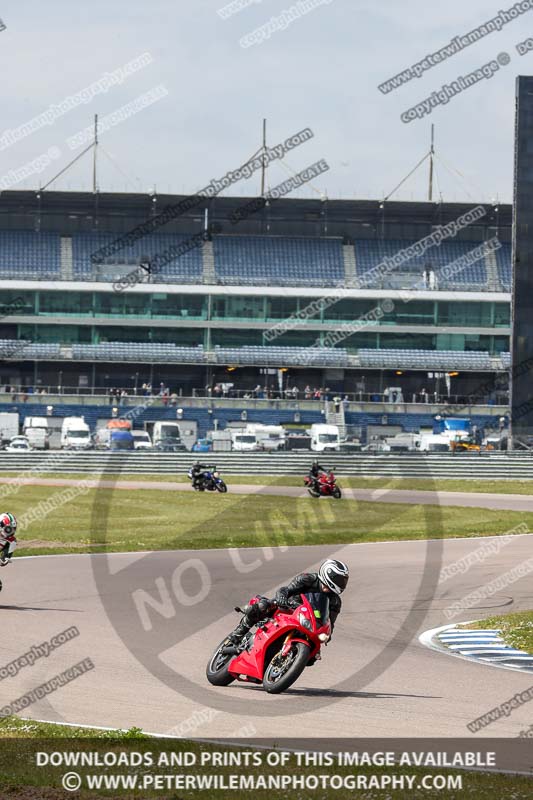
(173, 399)
(345, 403)
(307, 392)
(337, 404)
(424, 397)
(316, 394)
(161, 389)
(295, 392)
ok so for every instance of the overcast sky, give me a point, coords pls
(322, 72)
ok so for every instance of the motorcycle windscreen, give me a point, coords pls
(319, 602)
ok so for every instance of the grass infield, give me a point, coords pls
(98, 520)
(516, 628)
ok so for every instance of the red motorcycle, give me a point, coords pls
(327, 486)
(280, 648)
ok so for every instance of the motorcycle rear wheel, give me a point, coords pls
(217, 668)
(280, 673)
(313, 493)
(337, 493)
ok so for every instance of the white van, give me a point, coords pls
(324, 437)
(75, 434)
(37, 431)
(243, 441)
(141, 440)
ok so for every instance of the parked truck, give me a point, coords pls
(37, 432)
(324, 437)
(269, 437)
(9, 426)
(116, 435)
(164, 433)
(75, 434)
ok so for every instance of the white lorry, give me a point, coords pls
(37, 432)
(269, 437)
(324, 437)
(434, 443)
(9, 426)
(75, 434)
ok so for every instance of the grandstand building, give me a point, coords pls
(295, 285)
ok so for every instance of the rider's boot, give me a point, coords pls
(241, 630)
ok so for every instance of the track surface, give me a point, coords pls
(510, 502)
(421, 693)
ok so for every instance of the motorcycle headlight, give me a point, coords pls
(305, 622)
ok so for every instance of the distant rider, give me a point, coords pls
(196, 473)
(8, 540)
(314, 473)
(331, 578)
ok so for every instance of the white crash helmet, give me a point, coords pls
(334, 574)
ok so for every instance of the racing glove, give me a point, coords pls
(282, 598)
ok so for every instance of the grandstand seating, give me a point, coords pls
(278, 356)
(425, 359)
(370, 252)
(247, 260)
(135, 351)
(185, 267)
(506, 360)
(24, 254)
(278, 260)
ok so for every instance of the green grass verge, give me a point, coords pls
(21, 779)
(510, 486)
(125, 520)
(516, 628)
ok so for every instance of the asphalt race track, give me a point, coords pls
(509, 502)
(375, 678)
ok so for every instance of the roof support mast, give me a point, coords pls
(431, 157)
(263, 161)
(95, 152)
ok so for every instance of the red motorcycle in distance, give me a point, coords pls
(280, 648)
(327, 485)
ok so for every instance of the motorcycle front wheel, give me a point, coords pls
(284, 670)
(217, 668)
(221, 486)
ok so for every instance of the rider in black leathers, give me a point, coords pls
(197, 473)
(332, 578)
(314, 472)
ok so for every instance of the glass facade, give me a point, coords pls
(87, 313)
(464, 314)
